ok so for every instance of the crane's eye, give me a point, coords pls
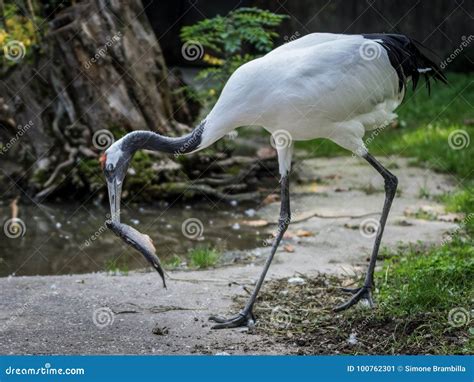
(102, 161)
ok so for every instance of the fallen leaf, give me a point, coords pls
(255, 223)
(303, 233)
(271, 199)
(289, 248)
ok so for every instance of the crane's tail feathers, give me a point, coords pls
(407, 57)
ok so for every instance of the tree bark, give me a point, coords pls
(99, 69)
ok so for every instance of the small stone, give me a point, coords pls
(250, 212)
(296, 281)
(352, 340)
(160, 331)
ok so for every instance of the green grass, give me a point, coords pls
(203, 257)
(424, 285)
(462, 201)
(422, 289)
(416, 280)
(424, 193)
(115, 267)
(173, 263)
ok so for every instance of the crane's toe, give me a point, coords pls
(242, 319)
(357, 295)
(350, 290)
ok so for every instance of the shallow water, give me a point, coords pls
(67, 239)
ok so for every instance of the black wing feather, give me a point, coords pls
(406, 57)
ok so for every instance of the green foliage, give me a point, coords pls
(229, 42)
(89, 174)
(173, 263)
(19, 36)
(203, 257)
(115, 267)
(419, 280)
(462, 201)
(142, 173)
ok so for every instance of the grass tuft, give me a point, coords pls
(203, 257)
(427, 280)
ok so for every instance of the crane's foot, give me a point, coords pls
(357, 295)
(242, 319)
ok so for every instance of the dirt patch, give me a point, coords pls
(300, 317)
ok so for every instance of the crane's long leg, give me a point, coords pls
(246, 317)
(391, 183)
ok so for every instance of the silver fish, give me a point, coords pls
(141, 242)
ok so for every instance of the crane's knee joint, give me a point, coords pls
(284, 221)
(391, 183)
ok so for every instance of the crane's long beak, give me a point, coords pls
(114, 187)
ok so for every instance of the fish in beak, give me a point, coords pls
(142, 243)
(115, 168)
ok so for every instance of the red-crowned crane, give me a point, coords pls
(322, 85)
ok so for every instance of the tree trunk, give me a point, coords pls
(98, 74)
(101, 69)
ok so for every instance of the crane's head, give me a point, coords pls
(114, 163)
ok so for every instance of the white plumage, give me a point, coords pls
(319, 86)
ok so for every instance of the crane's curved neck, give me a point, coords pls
(150, 140)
